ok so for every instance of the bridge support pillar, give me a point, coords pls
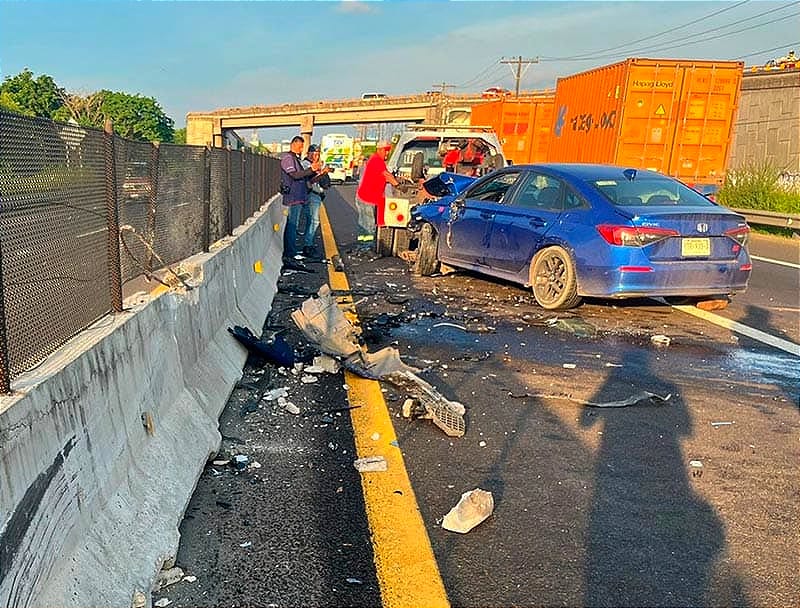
(306, 129)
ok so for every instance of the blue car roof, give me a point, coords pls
(589, 172)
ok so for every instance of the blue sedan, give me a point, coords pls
(574, 230)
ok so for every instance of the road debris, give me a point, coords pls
(444, 324)
(473, 508)
(162, 603)
(276, 393)
(246, 544)
(637, 399)
(573, 325)
(240, 462)
(447, 415)
(723, 423)
(660, 340)
(697, 468)
(353, 581)
(274, 349)
(190, 578)
(139, 600)
(716, 304)
(327, 364)
(322, 322)
(165, 578)
(291, 408)
(370, 464)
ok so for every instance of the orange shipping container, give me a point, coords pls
(672, 116)
(522, 125)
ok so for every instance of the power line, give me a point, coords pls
(480, 74)
(591, 54)
(490, 78)
(774, 48)
(687, 39)
(726, 34)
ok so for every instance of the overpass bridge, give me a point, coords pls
(208, 128)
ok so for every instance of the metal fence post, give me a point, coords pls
(155, 156)
(112, 219)
(206, 198)
(242, 188)
(5, 367)
(228, 200)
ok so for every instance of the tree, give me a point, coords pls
(136, 116)
(33, 96)
(86, 110)
(180, 136)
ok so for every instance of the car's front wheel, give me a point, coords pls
(427, 258)
(553, 279)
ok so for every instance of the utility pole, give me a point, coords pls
(519, 61)
(443, 86)
(440, 106)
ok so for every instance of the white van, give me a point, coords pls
(369, 96)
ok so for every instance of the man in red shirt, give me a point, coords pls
(371, 193)
(452, 158)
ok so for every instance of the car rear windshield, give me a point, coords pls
(649, 191)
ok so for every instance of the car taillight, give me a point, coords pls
(739, 234)
(631, 236)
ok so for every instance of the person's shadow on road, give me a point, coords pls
(651, 540)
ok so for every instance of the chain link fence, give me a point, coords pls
(83, 211)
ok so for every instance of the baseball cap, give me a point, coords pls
(313, 148)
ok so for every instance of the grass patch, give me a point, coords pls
(760, 186)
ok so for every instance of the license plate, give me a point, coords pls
(695, 247)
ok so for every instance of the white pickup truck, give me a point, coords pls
(419, 154)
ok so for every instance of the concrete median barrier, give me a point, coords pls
(102, 445)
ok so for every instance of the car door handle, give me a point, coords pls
(486, 215)
(537, 222)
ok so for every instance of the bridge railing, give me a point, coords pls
(83, 212)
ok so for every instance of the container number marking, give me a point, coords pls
(584, 122)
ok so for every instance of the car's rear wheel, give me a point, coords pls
(553, 279)
(427, 260)
(384, 242)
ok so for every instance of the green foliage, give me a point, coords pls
(179, 136)
(31, 96)
(7, 102)
(759, 187)
(136, 116)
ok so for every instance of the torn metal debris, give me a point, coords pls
(323, 323)
(636, 399)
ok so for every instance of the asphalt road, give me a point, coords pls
(593, 505)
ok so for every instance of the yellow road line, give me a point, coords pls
(404, 562)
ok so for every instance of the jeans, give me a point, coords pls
(290, 233)
(311, 209)
(366, 220)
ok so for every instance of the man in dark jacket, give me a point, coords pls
(317, 186)
(294, 188)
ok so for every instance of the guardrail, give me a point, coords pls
(770, 218)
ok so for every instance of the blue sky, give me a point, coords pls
(195, 56)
